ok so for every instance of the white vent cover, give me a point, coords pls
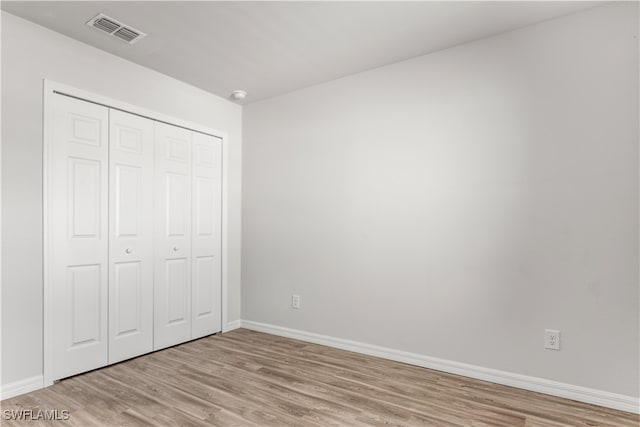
(115, 28)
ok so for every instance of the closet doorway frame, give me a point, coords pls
(51, 89)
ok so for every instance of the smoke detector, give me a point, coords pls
(238, 95)
(115, 28)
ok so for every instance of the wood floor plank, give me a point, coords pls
(246, 378)
(304, 380)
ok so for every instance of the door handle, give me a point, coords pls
(128, 250)
(175, 249)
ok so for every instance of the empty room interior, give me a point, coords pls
(320, 213)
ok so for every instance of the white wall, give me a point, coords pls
(30, 54)
(457, 204)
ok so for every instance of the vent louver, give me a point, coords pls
(115, 28)
(126, 34)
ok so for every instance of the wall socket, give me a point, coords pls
(552, 339)
(295, 301)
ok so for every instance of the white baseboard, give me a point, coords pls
(230, 326)
(554, 388)
(21, 387)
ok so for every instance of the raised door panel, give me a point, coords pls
(176, 207)
(177, 290)
(78, 248)
(173, 221)
(205, 194)
(128, 200)
(85, 305)
(131, 256)
(207, 235)
(205, 271)
(127, 286)
(84, 194)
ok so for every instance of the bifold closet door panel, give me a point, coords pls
(207, 235)
(172, 279)
(79, 235)
(131, 235)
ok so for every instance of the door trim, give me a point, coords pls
(50, 88)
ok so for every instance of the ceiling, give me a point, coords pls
(270, 48)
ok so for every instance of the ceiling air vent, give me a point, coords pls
(115, 28)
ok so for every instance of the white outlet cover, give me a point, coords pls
(295, 301)
(552, 339)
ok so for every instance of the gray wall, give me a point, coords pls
(29, 54)
(457, 204)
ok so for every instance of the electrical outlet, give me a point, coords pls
(295, 301)
(551, 339)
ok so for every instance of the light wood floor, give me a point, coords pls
(245, 378)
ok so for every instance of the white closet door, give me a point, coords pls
(78, 195)
(131, 235)
(172, 309)
(207, 239)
